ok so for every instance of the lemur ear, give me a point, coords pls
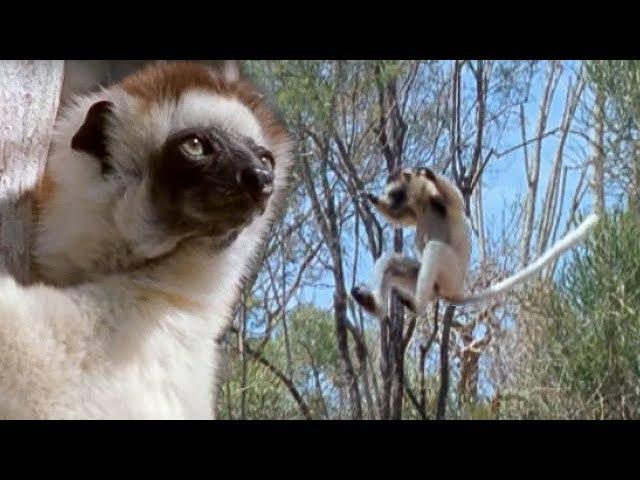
(91, 136)
(231, 71)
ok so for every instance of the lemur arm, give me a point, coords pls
(401, 216)
(41, 333)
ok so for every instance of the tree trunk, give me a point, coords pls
(550, 205)
(443, 393)
(397, 344)
(30, 92)
(284, 307)
(597, 180)
(243, 357)
(391, 131)
(327, 221)
(533, 168)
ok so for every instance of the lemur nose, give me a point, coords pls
(257, 181)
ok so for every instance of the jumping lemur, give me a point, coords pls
(435, 207)
(157, 194)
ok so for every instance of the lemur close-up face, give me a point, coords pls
(173, 152)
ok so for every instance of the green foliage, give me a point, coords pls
(620, 81)
(314, 363)
(308, 91)
(617, 82)
(266, 397)
(578, 353)
(303, 89)
(389, 70)
(312, 336)
(587, 351)
(469, 410)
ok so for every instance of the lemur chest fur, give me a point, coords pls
(432, 225)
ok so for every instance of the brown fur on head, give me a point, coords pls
(172, 152)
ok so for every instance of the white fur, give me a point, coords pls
(439, 263)
(119, 338)
(383, 281)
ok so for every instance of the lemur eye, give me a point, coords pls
(193, 147)
(266, 157)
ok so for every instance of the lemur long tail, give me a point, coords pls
(507, 284)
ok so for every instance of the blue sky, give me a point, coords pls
(504, 185)
(504, 182)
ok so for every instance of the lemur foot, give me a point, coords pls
(364, 298)
(407, 302)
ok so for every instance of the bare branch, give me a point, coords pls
(304, 409)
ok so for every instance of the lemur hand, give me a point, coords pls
(372, 198)
(368, 196)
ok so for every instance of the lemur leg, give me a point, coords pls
(452, 275)
(440, 273)
(393, 272)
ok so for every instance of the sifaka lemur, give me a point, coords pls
(157, 195)
(433, 205)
